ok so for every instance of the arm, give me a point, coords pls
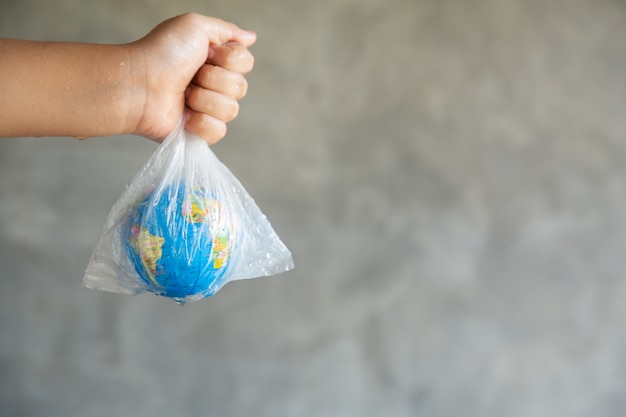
(190, 64)
(64, 89)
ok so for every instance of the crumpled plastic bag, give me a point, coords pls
(183, 228)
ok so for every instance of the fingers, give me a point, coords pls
(232, 56)
(207, 127)
(222, 81)
(220, 106)
(211, 99)
(215, 92)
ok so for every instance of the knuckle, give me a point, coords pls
(250, 62)
(238, 58)
(233, 110)
(241, 87)
(229, 108)
(216, 131)
(211, 129)
(246, 61)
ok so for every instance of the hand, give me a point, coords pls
(190, 66)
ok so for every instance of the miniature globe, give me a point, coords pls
(179, 242)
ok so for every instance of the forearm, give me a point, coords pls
(73, 89)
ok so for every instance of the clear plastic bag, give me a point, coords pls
(183, 228)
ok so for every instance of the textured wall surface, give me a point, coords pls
(450, 176)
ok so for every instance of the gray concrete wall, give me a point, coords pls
(450, 176)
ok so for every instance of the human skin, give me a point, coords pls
(190, 66)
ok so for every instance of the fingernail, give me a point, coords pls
(211, 52)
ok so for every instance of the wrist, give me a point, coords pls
(136, 89)
(152, 107)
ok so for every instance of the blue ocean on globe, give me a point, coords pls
(180, 242)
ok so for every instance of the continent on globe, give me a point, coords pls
(148, 247)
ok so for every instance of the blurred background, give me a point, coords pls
(450, 176)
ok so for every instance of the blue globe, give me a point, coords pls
(179, 242)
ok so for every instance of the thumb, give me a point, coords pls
(220, 32)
